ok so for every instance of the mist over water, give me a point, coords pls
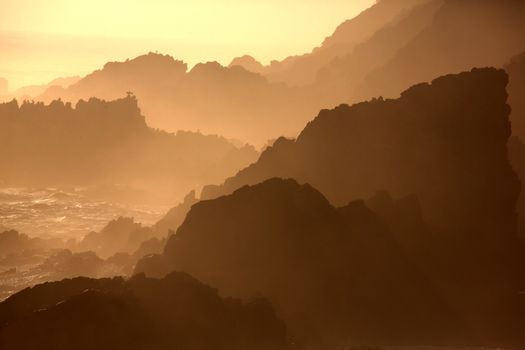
(66, 213)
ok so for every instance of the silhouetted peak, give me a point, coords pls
(356, 209)
(221, 74)
(212, 67)
(282, 142)
(247, 62)
(274, 193)
(278, 190)
(152, 61)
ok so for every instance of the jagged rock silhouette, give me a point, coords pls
(445, 142)
(141, 313)
(351, 274)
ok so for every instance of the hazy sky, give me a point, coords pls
(44, 39)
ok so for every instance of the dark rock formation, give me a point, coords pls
(445, 142)
(330, 272)
(175, 312)
(352, 275)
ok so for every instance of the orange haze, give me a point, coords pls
(40, 40)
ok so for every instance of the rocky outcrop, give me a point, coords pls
(325, 269)
(351, 275)
(175, 312)
(445, 142)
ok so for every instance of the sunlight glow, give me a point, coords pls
(40, 40)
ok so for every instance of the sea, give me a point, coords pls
(65, 214)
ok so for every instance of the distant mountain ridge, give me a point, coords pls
(230, 102)
(388, 47)
(106, 143)
(303, 69)
(463, 34)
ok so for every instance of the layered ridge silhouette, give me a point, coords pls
(304, 69)
(352, 275)
(392, 45)
(462, 34)
(445, 142)
(397, 43)
(454, 255)
(107, 143)
(393, 222)
(174, 312)
(31, 91)
(231, 102)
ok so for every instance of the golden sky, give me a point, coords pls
(44, 39)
